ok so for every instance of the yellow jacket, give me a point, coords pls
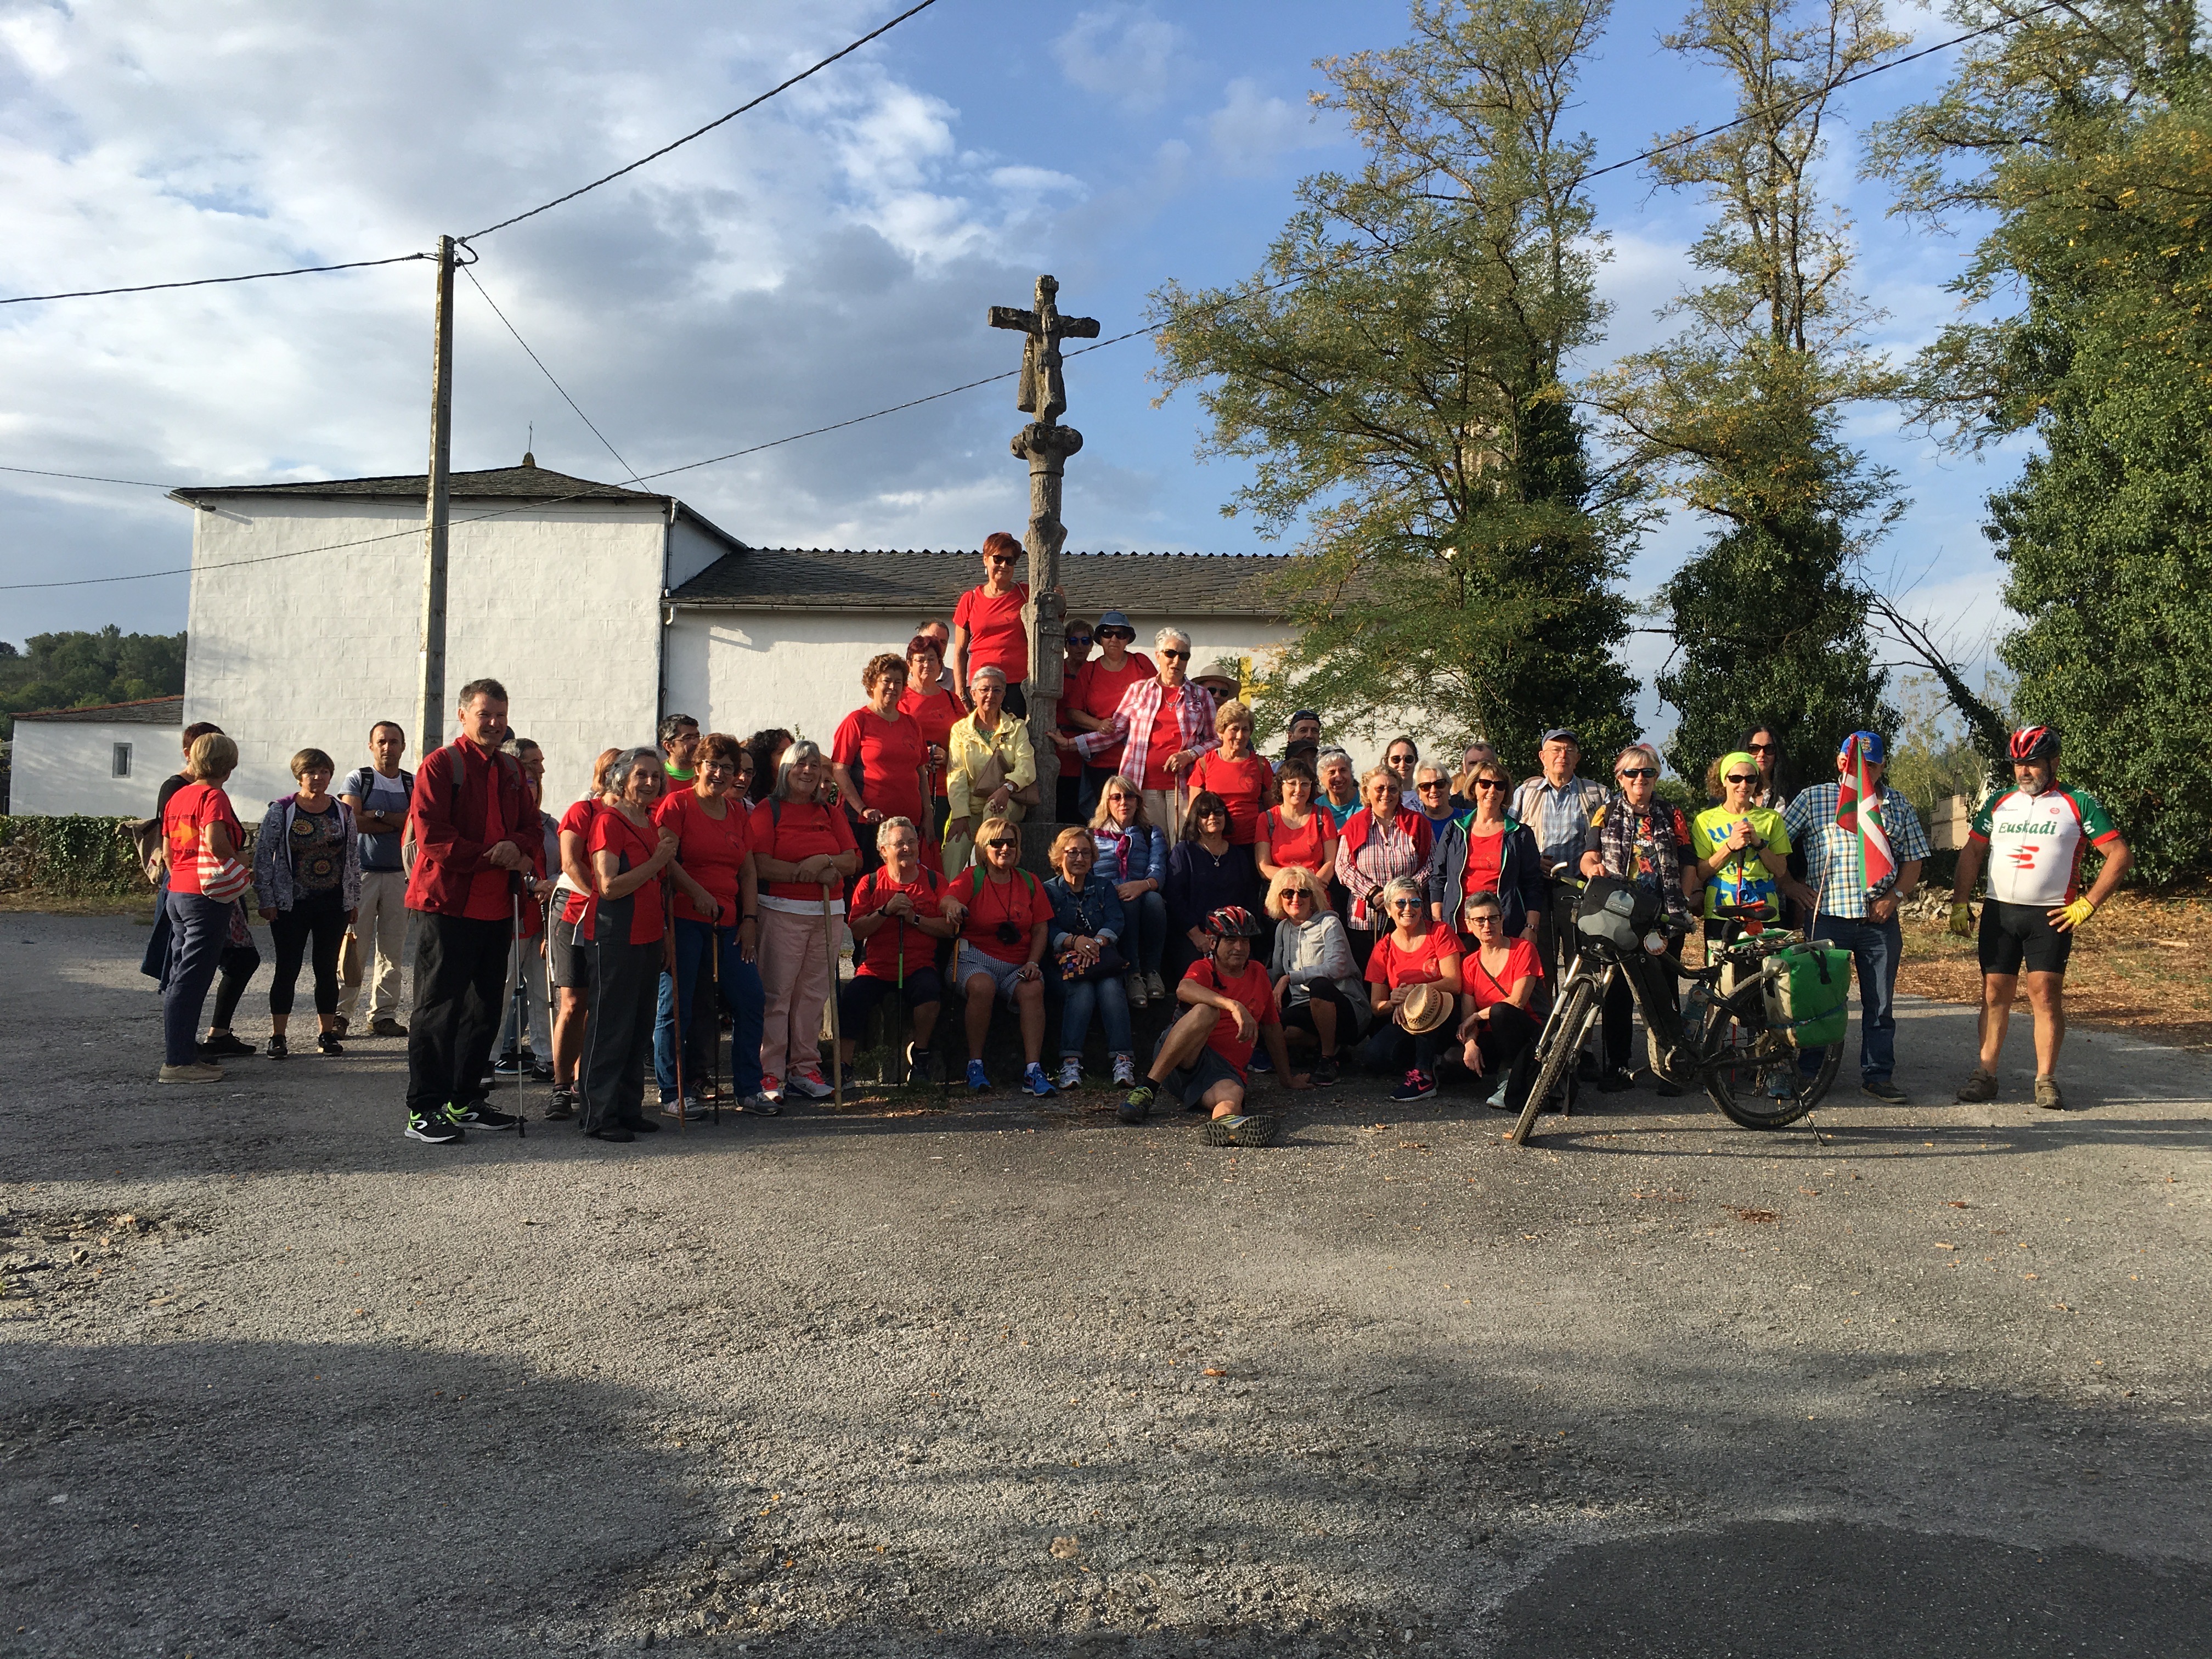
(969, 751)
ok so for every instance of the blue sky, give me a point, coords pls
(827, 255)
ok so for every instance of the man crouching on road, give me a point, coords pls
(475, 825)
(1229, 1005)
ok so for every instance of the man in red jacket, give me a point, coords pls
(476, 827)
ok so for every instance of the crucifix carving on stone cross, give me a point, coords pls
(1045, 445)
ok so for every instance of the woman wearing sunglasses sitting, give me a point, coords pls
(1003, 914)
(1638, 838)
(1417, 951)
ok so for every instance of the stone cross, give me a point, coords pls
(1045, 445)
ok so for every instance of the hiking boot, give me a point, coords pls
(438, 1128)
(1255, 1129)
(344, 1024)
(1035, 1081)
(192, 1071)
(1981, 1085)
(1071, 1074)
(1138, 1106)
(481, 1114)
(1418, 1085)
(1124, 1071)
(327, 1043)
(2047, 1095)
(1884, 1090)
(563, 1106)
(222, 1045)
(278, 1049)
(387, 1027)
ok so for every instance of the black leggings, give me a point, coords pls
(1300, 1014)
(237, 964)
(319, 916)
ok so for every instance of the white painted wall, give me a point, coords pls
(62, 767)
(560, 604)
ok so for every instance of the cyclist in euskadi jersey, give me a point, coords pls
(2033, 837)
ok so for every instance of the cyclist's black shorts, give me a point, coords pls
(2014, 934)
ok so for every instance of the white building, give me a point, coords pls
(108, 760)
(598, 608)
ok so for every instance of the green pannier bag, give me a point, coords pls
(1808, 993)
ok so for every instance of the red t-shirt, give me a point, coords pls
(710, 850)
(577, 821)
(1392, 967)
(1098, 691)
(1022, 902)
(792, 831)
(1485, 854)
(881, 959)
(1521, 962)
(934, 714)
(612, 832)
(1311, 845)
(1254, 989)
(191, 811)
(996, 636)
(890, 755)
(1242, 785)
(1167, 738)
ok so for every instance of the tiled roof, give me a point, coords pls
(146, 711)
(509, 483)
(819, 579)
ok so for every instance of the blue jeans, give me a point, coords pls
(1148, 927)
(1876, 948)
(1111, 1001)
(198, 929)
(739, 983)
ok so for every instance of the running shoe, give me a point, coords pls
(764, 1105)
(563, 1106)
(328, 1043)
(278, 1049)
(1242, 1129)
(481, 1114)
(192, 1071)
(507, 1065)
(436, 1128)
(771, 1090)
(917, 1068)
(611, 1131)
(690, 1109)
(1138, 1106)
(1323, 1075)
(809, 1081)
(1418, 1085)
(1614, 1081)
(222, 1045)
(1260, 1063)
(978, 1078)
(1035, 1081)
(1124, 1071)
(1884, 1090)
(1071, 1074)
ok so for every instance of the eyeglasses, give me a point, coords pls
(1637, 772)
(1744, 778)
(1488, 783)
(1483, 919)
(1001, 846)
(1431, 787)
(1174, 656)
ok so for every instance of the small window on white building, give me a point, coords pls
(120, 767)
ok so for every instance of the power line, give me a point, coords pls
(701, 131)
(88, 478)
(548, 372)
(402, 258)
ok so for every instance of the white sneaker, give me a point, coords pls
(811, 1084)
(1071, 1074)
(1124, 1072)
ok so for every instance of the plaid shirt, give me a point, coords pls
(1132, 722)
(1559, 815)
(1832, 867)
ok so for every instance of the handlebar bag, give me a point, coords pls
(1618, 912)
(1806, 991)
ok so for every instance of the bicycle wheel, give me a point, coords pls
(1559, 1045)
(1763, 1093)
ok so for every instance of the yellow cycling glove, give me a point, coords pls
(1962, 919)
(2077, 912)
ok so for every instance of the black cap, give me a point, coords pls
(1303, 714)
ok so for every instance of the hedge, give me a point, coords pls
(74, 857)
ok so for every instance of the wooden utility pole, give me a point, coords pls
(430, 684)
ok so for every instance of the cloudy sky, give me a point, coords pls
(826, 255)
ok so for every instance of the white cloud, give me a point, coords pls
(1251, 128)
(1128, 53)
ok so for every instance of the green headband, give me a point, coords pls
(1728, 762)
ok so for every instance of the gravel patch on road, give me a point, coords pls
(980, 1379)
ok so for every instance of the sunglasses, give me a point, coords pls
(1001, 846)
(998, 558)
(1483, 919)
(1637, 772)
(1431, 787)
(1405, 904)
(1488, 783)
(1117, 633)
(1174, 656)
(1763, 748)
(1740, 778)
(1401, 760)
(1078, 639)
(1295, 897)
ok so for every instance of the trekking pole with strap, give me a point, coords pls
(837, 1024)
(552, 1055)
(518, 1003)
(675, 996)
(714, 1019)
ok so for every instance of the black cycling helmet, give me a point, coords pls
(2032, 742)
(1232, 922)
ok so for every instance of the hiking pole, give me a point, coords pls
(518, 1006)
(675, 998)
(837, 1024)
(552, 1058)
(714, 1018)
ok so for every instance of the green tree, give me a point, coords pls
(1740, 415)
(72, 670)
(1394, 373)
(2083, 136)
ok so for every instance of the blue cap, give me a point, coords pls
(1870, 744)
(1115, 619)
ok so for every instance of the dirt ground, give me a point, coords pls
(975, 1378)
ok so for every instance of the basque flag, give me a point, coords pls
(1873, 842)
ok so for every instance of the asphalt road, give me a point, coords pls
(983, 1380)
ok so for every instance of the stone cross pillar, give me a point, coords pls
(1045, 445)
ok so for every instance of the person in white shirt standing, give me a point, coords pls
(2033, 838)
(378, 795)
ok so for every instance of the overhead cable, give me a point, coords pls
(548, 374)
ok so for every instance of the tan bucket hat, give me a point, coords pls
(1424, 1008)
